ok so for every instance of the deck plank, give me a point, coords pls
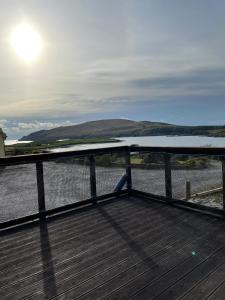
(129, 248)
(202, 289)
(218, 293)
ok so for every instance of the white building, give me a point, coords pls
(2, 146)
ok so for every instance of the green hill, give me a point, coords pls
(121, 128)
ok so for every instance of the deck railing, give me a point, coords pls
(160, 178)
(206, 176)
(79, 159)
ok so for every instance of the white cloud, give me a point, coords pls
(36, 125)
(16, 128)
(3, 123)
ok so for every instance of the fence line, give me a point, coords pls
(124, 151)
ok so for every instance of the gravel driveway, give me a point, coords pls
(66, 183)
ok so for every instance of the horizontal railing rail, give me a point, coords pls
(33, 158)
(181, 150)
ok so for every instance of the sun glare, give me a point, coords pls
(26, 42)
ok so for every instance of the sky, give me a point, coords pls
(156, 60)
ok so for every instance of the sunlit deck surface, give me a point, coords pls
(125, 248)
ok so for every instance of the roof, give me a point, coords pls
(2, 133)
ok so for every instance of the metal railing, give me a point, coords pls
(90, 155)
(126, 152)
(168, 153)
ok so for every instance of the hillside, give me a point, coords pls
(120, 128)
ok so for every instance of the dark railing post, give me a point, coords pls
(188, 190)
(92, 178)
(223, 180)
(40, 188)
(168, 177)
(128, 170)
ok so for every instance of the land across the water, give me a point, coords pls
(15, 147)
(122, 128)
(34, 147)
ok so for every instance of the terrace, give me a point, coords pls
(77, 226)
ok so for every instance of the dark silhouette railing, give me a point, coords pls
(168, 153)
(124, 186)
(39, 159)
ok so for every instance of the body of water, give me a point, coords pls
(13, 142)
(166, 141)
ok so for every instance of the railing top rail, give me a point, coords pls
(33, 158)
(181, 150)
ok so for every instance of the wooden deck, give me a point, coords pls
(128, 248)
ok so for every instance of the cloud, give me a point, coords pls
(197, 81)
(3, 123)
(55, 105)
(103, 84)
(12, 127)
(194, 77)
(41, 125)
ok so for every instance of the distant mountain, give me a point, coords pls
(121, 128)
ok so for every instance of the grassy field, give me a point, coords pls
(43, 147)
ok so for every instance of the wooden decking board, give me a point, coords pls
(141, 233)
(157, 238)
(20, 233)
(195, 275)
(142, 281)
(100, 273)
(218, 293)
(118, 281)
(2, 283)
(93, 224)
(55, 233)
(123, 278)
(76, 225)
(76, 215)
(70, 271)
(165, 288)
(96, 233)
(151, 252)
(76, 267)
(123, 219)
(207, 285)
(113, 251)
(52, 244)
(178, 274)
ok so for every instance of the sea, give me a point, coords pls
(166, 141)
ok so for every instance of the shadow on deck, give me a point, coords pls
(126, 248)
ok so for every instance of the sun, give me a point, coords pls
(26, 42)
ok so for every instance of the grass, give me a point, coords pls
(194, 162)
(180, 161)
(136, 160)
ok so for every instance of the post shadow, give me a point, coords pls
(48, 272)
(134, 246)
